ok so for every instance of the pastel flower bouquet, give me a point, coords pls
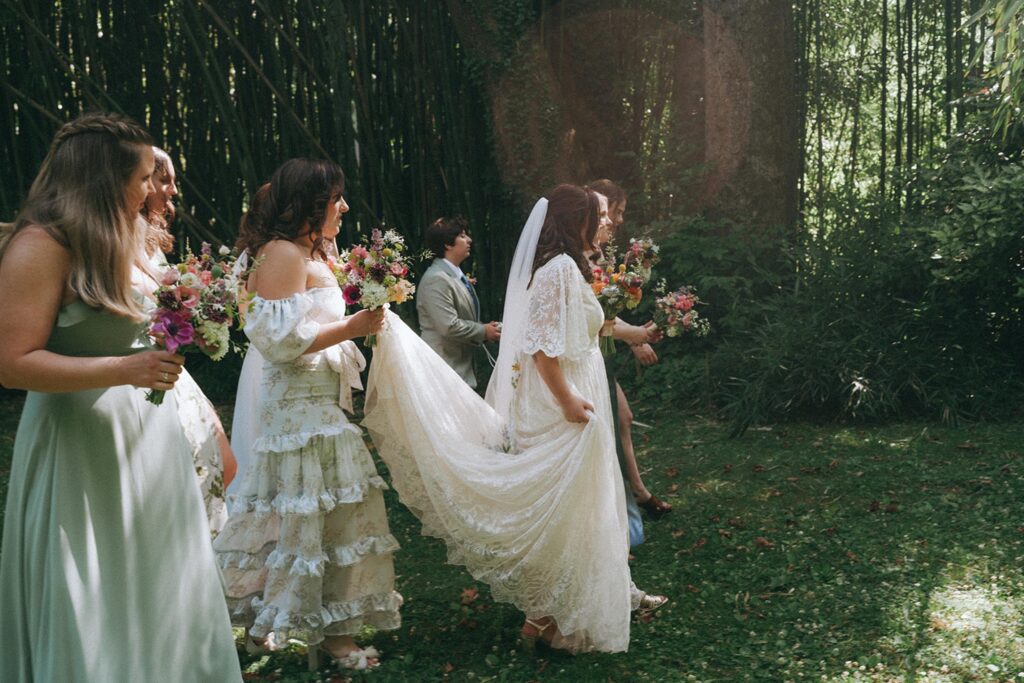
(372, 274)
(620, 287)
(197, 301)
(675, 314)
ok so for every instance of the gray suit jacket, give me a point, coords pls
(448, 318)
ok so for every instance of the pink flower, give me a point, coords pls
(206, 277)
(357, 254)
(685, 302)
(397, 269)
(176, 329)
(352, 294)
(169, 277)
(189, 297)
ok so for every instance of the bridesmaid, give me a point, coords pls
(306, 552)
(212, 458)
(639, 339)
(95, 584)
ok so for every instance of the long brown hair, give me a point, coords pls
(79, 199)
(296, 196)
(611, 190)
(569, 226)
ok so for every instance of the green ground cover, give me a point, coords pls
(797, 552)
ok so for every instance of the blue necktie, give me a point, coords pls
(472, 294)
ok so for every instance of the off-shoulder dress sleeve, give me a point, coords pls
(281, 328)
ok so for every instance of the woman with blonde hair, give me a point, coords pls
(95, 583)
(212, 458)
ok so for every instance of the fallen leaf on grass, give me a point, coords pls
(966, 446)
(447, 668)
(875, 506)
(469, 595)
(831, 531)
(693, 589)
(673, 488)
(763, 542)
(892, 507)
(727, 468)
(736, 522)
(678, 533)
(853, 556)
(938, 624)
(792, 478)
(811, 470)
(759, 468)
(834, 464)
(672, 472)
(725, 533)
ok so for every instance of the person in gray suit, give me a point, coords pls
(447, 305)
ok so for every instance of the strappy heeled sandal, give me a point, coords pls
(533, 632)
(356, 660)
(655, 507)
(651, 603)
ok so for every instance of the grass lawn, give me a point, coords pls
(797, 552)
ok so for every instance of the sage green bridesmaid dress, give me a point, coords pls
(107, 573)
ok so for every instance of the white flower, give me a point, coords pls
(189, 279)
(216, 335)
(224, 250)
(393, 237)
(375, 295)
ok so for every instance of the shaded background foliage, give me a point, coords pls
(840, 178)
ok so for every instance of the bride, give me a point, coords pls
(524, 489)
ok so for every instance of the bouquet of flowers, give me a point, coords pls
(620, 287)
(676, 313)
(197, 301)
(641, 256)
(372, 274)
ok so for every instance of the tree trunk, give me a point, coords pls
(754, 161)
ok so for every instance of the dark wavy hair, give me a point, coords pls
(569, 227)
(296, 196)
(443, 232)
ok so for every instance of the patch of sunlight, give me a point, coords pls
(961, 631)
(847, 437)
(713, 485)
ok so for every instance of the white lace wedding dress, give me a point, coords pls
(532, 504)
(307, 551)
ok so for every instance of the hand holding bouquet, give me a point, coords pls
(676, 313)
(197, 301)
(620, 287)
(372, 274)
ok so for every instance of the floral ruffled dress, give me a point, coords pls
(307, 551)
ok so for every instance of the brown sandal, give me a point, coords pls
(655, 507)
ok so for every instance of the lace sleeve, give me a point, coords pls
(556, 323)
(279, 328)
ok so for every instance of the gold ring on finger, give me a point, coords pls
(165, 376)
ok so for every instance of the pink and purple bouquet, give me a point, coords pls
(372, 274)
(641, 256)
(676, 314)
(197, 301)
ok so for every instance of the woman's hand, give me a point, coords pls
(152, 369)
(633, 335)
(365, 322)
(575, 409)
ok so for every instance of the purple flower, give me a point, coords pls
(176, 329)
(167, 300)
(205, 249)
